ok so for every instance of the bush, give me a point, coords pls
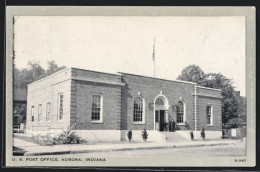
(68, 137)
(144, 135)
(202, 133)
(191, 135)
(129, 135)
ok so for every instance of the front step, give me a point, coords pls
(174, 136)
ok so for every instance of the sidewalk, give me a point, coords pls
(34, 149)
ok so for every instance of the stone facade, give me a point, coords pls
(118, 93)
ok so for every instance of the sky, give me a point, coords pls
(125, 44)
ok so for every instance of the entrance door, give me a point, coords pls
(161, 120)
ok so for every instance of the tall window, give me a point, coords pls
(180, 111)
(60, 110)
(32, 113)
(96, 108)
(209, 115)
(39, 112)
(138, 110)
(48, 111)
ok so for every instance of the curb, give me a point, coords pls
(120, 149)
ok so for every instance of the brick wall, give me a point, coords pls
(81, 94)
(149, 89)
(118, 101)
(211, 98)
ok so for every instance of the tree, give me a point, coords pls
(17, 80)
(52, 68)
(34, 72)
(20, 110)
(192, 73)
(25, 76)
(230, 103)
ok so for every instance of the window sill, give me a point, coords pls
(97, 122)
(209, 125)
(60, 120)
(183, 124)
(139, 123)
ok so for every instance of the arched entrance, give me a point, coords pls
(161, 107)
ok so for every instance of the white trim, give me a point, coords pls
(32, 114)
(96, 122)
(185, 82)
(143, 114)
(211, 115)
(101, 109)
(209, 88)
(47, 111)
(207, 95)
(181, 124)
(39, 113)
(58, 115)
(166, 106)
(97, 81)
(115, 74)
(184, 114)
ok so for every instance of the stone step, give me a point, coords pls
(173, 136)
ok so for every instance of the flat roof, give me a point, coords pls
(49, 76)
(96, 71)
(120, 74)
(185, 82)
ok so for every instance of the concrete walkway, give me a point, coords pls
(34, 149)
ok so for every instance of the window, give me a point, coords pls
(96, 109)
(48, 111)
(209, 115)
(156, 116)
(32, 113)
(180, 112)
(39, 112)
(159, 102)
(60, 110)
(138, 110)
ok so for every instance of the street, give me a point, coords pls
(237, 149)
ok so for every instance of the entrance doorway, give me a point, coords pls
(161, 113)
(161, 120)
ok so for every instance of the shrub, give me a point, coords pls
(129, 135)
(191, 135)
(144, 135)
(68, 137)
(202, 133)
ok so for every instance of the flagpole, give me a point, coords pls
(154, 57)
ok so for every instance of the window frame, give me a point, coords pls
(101, 108)
(48, 111)
(32, 114)
(183, 114)
(143, 111)
(59, 107)
(39, 113)
(211, 115)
